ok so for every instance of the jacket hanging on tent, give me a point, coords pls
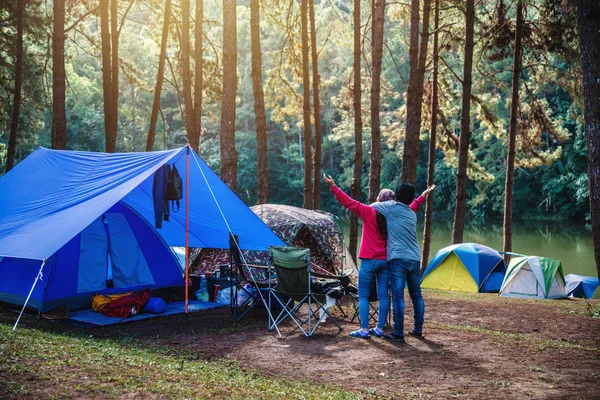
(160, 185)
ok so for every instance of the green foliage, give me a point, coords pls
(551, 178)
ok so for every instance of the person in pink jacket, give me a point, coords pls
(373, 255)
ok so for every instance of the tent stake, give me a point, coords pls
(38, 277)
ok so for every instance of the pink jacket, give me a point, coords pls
(373, 245)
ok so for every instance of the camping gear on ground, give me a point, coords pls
(534, 277)
(465, 267)
(126, 306)
(71, 219)
(311, 229)
(202, 292)
(581, 286)
(293, 290)
(155, 305)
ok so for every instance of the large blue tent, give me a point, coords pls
(87, 217)
(465, 267)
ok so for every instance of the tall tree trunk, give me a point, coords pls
(308, 189)
(316, 106)
(262, 189)
(159, 77)
(115, 75)
(512, 132)
(377, 51)
(185, 71)
(59, 113)
(432, 144)
(358, 150)
(589, 45)
(465, 128)
(414, 99)
(107, 76)
(228, 152)
(16, 111)
(195, 142)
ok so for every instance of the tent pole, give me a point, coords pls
(187, 224)
(39, 275)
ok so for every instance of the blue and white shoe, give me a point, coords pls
(359, 333)
(376, 332)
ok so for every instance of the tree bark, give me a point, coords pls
(107, 76)
(358, 150)
(199, 50)
(115, 75)
(308, 189)
(512, 132)
(428, 224)
(16, 111)
(316, 106)
(159, 77)
(59, 113)
(186, 79)
(465, 127)
(377, 51)
(589, 45)
(262, 187)
(414, 100)
(228, 151)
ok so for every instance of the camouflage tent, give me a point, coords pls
(316, 230)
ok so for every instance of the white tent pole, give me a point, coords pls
(187, 225)
(38, 277)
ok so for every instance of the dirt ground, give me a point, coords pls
(477, 346)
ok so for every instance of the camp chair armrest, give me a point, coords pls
(328, 276)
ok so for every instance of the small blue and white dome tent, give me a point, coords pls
(581, 286)
(465, 267)
(71, 219)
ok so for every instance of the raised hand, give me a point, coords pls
(428, 190)
(329, 180)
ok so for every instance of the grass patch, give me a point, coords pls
(34, 361)
(515, 338)
(569, 305)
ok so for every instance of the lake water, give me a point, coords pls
(568, 242)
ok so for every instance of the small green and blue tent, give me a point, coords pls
(534, 277)
(82, 223)
(465, 267)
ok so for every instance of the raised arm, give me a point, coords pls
(361, 210)
(418, 202)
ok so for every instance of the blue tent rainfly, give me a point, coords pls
(57, 200)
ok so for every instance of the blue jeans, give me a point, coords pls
(369, 270)
(406, 272)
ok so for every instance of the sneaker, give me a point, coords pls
(394, 337)
(359, 333)
(376, 332)
(418, 335)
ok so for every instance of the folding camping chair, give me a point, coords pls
(293, 290)
(245, 297)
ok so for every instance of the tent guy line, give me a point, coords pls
(235, 241)
(37, 278)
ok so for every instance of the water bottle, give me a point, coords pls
(202, 293)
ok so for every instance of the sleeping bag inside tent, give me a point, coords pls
(465, 267)
(74, 224)
(532, 276)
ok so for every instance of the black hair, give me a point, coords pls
(381, 224)
(405, 193)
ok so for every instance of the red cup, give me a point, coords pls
(216, 290)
